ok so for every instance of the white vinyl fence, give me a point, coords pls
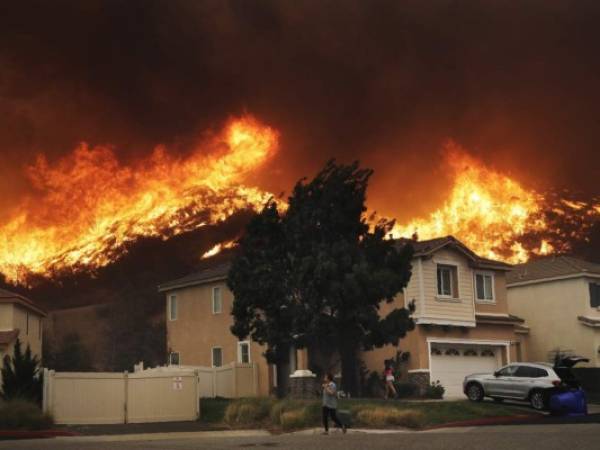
(233, 380)
(162, 394)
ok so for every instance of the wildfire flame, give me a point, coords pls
(218, 248)
(89, 204)
(497, 217)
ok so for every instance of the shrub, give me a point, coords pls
(406, 389)
(18, 414)
(248, 411)
(381, 417)
(310, 413)
(295, 419)
(434, 390)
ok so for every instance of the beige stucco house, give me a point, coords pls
(559, 297)
(198, 321)
(462, 320)
(20, 318)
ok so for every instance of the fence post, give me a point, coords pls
(234, 380)
(214, 381)
(255, 377)
(126, 383)
(45, 390)
(197, 373)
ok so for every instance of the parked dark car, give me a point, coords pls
(532, 382)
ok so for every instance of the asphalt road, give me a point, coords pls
(542, 437)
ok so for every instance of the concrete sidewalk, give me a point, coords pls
(166, 436)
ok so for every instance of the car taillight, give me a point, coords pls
(556, 383)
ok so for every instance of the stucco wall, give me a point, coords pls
(551, 310)
(500, 305)
(197, 330)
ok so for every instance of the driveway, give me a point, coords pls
(548, 437)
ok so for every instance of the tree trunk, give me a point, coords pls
(349, 369)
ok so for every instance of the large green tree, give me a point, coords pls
(259, 278)
(20, 375)
(329, 271)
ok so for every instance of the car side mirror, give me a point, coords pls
(497, 373)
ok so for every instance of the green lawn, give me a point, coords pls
(296, 414)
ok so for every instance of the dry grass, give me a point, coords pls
(382, 417)
(248, 411)
(23, 415)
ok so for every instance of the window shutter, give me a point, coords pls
(595, 295)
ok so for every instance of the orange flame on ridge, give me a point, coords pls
(491, 213)
(90, 204)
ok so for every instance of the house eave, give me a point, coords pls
(175, 286)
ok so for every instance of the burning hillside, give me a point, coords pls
(89, 205)
(499, 218)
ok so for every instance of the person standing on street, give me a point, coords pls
(388, 374)
(330, 404)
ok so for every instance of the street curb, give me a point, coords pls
(34, 434)
(500, 420)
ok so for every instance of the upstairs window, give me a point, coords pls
(172, 307)
(244, 352)
(217, 301)
(217, 357)
(174, 358)
(484, 286)
(595, 295)
(447, 281)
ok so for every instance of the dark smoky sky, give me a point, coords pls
(386, 82)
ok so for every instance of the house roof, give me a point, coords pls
(215, 273)
(430, 246)
(12, 297)
(550, 268)
(6, 337)
(220, 270)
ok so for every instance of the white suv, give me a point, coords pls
(533, 382)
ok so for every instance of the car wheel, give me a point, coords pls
(537, 399)
(475, 392)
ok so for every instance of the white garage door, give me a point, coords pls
(451, 363)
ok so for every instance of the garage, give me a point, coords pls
(450, 363)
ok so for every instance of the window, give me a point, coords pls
(530, 372)
(470, 352)
(487, 353)
(217, 302)
(435, 351)
(452, 352)
(507, 371)
(172, 307)
(217, 357)
(174, 358)
(244, 352)
(595, 295)
(447, 281)
(484, 286)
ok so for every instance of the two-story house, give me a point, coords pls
(462, 320)
(20, 318)
(461, 316)
(559, 296)
(198, 325)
